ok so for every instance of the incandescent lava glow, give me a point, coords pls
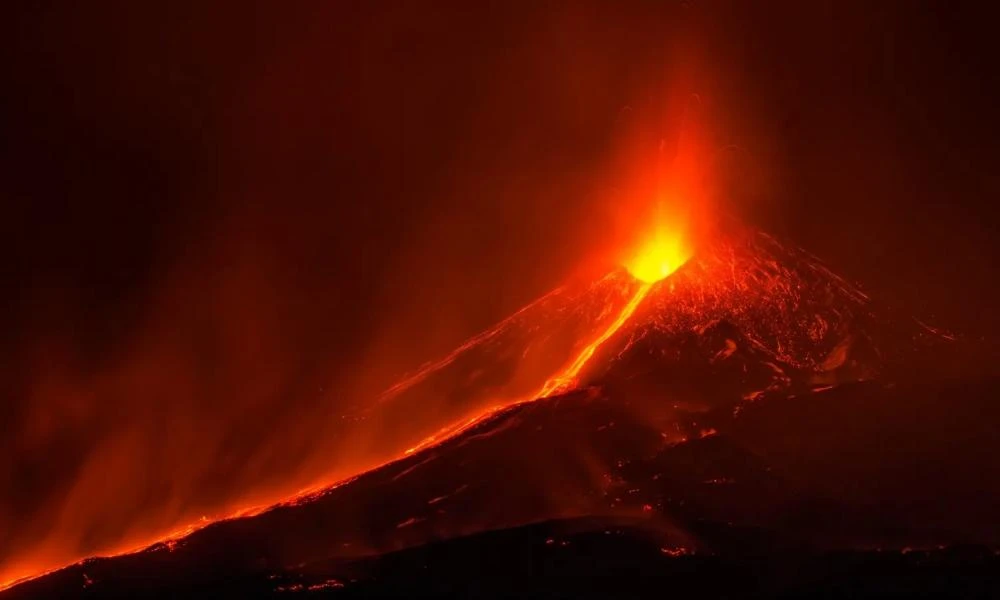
(660, 253)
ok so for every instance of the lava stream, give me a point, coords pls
(658, 257)
(565, 380)
(557, 384)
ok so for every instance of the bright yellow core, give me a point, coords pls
(660, 255)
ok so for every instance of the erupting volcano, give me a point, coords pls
(682, 400)
(696, 401)
(679, 402)
(713, 407)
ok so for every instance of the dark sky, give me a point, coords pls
(338, 131)
(230, 210)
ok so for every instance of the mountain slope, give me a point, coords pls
(742, 403)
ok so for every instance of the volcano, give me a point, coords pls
(741, 422)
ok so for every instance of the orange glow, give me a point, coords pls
(453, 430)
(650, 244)
(660, 253)
(656, 257)
(171, 539)
(567, 378)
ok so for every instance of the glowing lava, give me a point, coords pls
(662, 253)
(567, 378)
(659, 256)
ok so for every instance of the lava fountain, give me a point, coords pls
(660, 253)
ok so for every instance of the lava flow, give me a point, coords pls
(598, 317)
(662, 254)
(748, 325)
(746, 318)
(567, 378)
